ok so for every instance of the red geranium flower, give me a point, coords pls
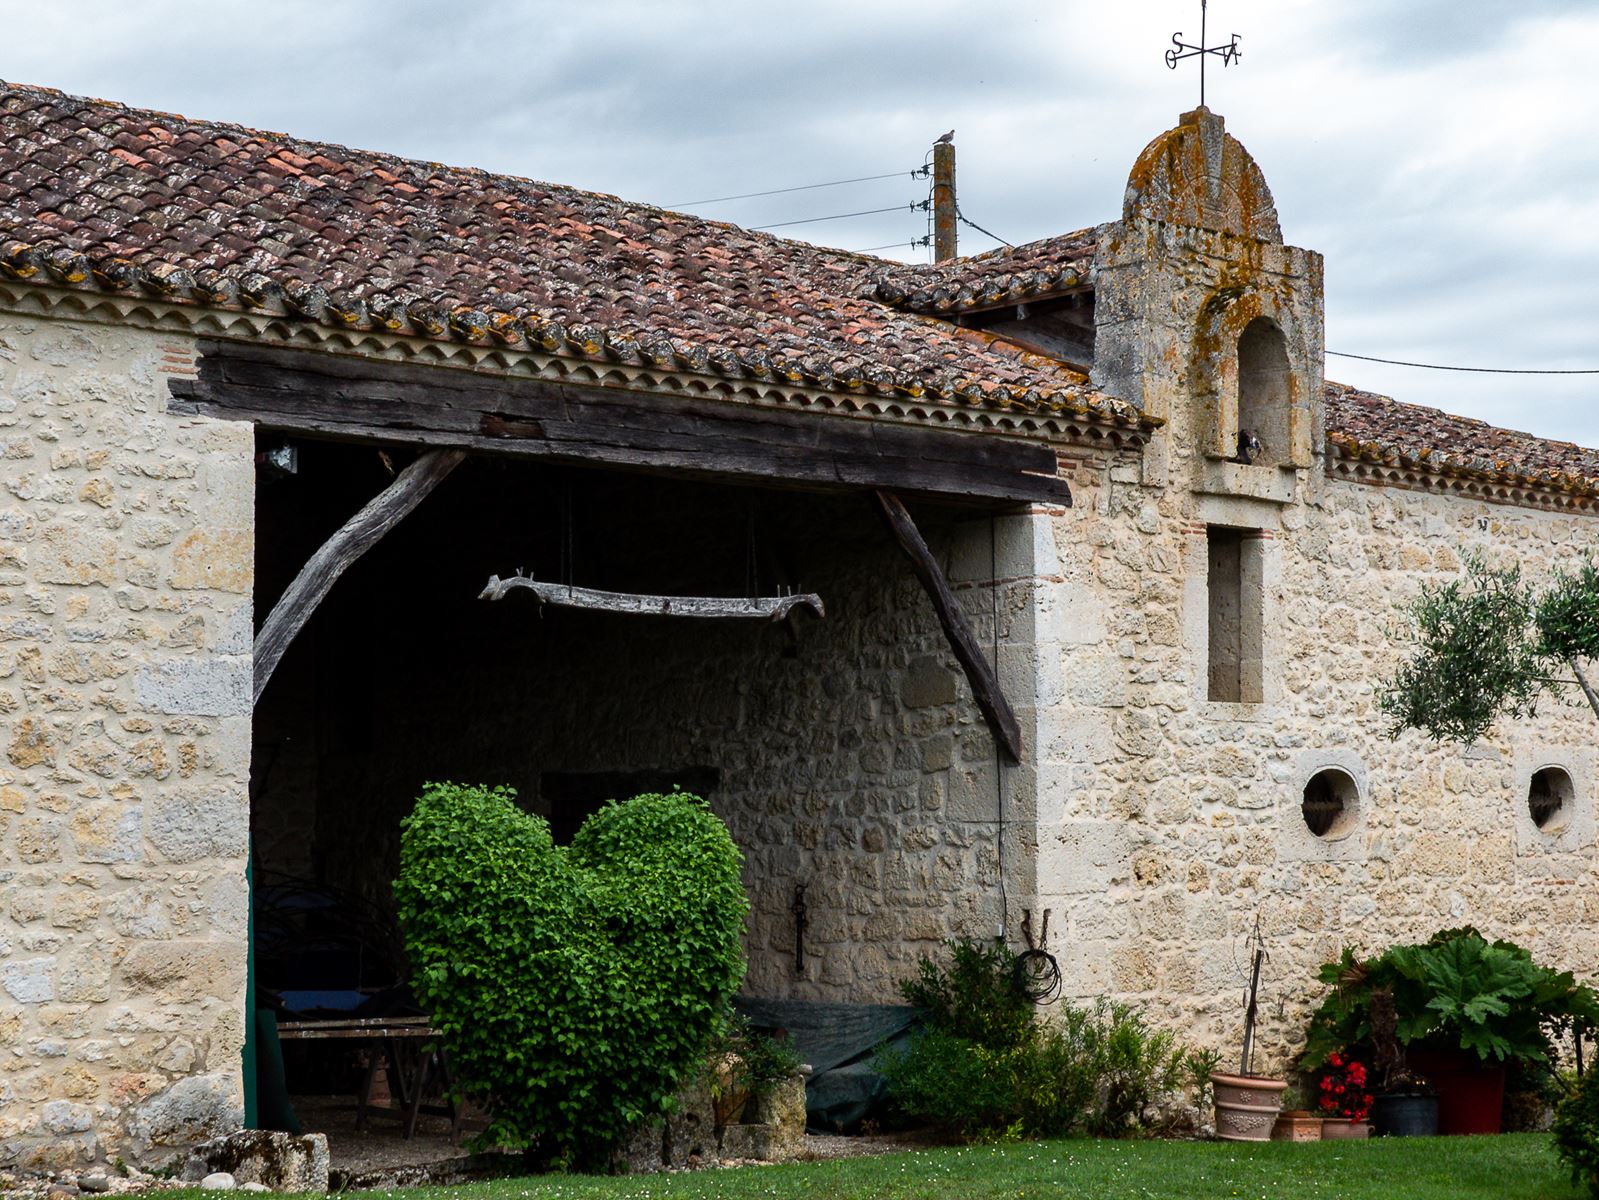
(1343, 1088)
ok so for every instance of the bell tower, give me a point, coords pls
(1205, 318)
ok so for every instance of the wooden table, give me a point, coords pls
(406, 1083)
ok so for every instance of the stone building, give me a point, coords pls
(217, 344)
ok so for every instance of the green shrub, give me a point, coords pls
(975, 997)
(986, 1069)
(574, 987)
(1576, 1133)
(960, 1086)
(1132, 1064)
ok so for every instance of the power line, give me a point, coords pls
(1397, 362)
(806, 187)
(963, 219)
(913, 244)
(865, 212)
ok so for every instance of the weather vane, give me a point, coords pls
(1228, 53)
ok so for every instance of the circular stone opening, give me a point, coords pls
(1329, 803)
(1549, 797)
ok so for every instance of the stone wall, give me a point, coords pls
(125, 627)
(1168, 822)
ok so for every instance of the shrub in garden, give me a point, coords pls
(1576, 1133)
(975, 996)
(985, 1068)
(574, 987)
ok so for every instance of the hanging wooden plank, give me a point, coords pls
(979, 673)
(353, 539)
(771, 608)
(361, 399)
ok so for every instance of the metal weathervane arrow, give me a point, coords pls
(1228, 53)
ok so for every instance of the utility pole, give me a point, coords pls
(944, 199)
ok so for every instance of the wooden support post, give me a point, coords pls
(358, 535)
(979, 673)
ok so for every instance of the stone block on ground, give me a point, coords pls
(782, 1111)
(278, 1161)
(643, 1150)
(691, 1125)
(746, 1141)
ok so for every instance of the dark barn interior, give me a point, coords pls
(403, 675)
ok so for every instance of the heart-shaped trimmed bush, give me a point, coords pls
(575, 987)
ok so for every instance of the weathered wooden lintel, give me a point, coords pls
(353, 539)
(979, 673)
(355, 399)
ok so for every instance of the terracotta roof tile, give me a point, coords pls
(1368, 427)
(1009, 275)
(152, 189)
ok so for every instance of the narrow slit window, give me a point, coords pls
(1235, 617)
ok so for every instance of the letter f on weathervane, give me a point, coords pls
(1228, 53)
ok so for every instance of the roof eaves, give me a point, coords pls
(258, 293)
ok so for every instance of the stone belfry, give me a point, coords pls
(1207, 319)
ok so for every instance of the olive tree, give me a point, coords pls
(1490, 644)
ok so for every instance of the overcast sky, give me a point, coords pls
(1440, 153)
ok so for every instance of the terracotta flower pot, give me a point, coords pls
(1299, 1125)
(1247, 1106)
(1342, 1129)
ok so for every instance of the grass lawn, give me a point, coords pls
(1512, 1167)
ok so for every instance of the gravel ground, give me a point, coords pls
(380, 1152)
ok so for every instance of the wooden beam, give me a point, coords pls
(979, 673)
(769, 608)
(358, 399)
(353, 539)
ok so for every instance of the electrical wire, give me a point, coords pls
(804, 187)
(1396, 362)
(866, 212)
(913, 244)
(964, 220)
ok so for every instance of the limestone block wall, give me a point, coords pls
(1168, 822)
(125, 628)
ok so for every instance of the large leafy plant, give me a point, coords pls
(574, 987)
(1455, 990)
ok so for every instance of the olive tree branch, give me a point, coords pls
(1587, 688)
